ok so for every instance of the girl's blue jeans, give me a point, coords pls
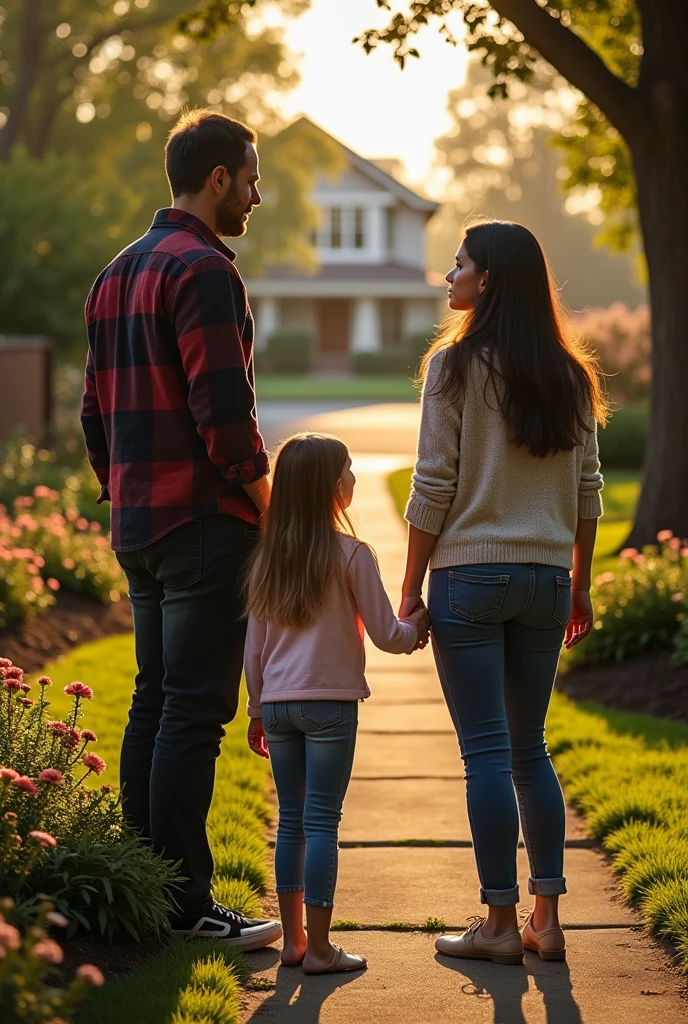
(497, 632)
(311, 746)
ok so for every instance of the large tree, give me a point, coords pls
(630, 136)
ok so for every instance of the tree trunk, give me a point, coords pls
(660, 152)
(30, 52)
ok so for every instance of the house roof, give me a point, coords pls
(376, 174)
(326, 272)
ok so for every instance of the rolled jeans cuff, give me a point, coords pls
(316, 903)
(499, 897)
(547, 886)
(288, 888)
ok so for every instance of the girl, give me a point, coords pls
(312, 589)
(505, 500)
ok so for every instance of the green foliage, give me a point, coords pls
(290, 350)
(346, 926)
(640, 606)
(434, 924)
(385, 362)
(622, 442)
(61, 226)
(26, 962)
(681, 644)
(397, 388)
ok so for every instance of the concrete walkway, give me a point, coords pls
(406, 856)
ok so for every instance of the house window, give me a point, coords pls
(335, 228)
(359, 228)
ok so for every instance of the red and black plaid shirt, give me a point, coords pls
(169, 411)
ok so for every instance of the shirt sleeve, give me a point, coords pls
(255, 641)
(210, 312)
(396, 636)
(436, 471)
(94, 430)
(591, 482)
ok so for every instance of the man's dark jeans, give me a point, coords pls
(185, 591)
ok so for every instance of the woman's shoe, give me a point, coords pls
(472, 945)
(549, 945)
(340, 962)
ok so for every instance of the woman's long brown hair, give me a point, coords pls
(542, 375)
(299, 553)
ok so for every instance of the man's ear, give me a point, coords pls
(218, 178)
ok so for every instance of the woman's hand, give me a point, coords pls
(582, 617)
(409, 603)
(256, 738)
(413, 609)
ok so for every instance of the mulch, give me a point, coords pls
(114, 958)
(648, 684)
(73, 620)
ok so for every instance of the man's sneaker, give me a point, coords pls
(233, 928)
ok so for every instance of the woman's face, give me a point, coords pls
(345, 485)
(466, 282)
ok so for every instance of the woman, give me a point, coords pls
(505, 501)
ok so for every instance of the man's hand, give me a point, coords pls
(256, 738)
(581, 620)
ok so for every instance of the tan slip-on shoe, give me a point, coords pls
(473, 945)
(549, 945)
(341, 961)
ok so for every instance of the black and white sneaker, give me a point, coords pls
(231, 927)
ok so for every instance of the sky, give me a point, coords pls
(340, 85)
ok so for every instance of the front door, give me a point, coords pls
(334, 327)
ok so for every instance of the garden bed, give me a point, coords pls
(648, 684)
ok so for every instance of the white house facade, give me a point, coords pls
(371, 289)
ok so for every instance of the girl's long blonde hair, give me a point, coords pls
(299, 554)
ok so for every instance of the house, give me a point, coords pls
(371, 289)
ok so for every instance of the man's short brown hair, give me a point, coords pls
(200, 141)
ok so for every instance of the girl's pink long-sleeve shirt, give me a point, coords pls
(326, 659)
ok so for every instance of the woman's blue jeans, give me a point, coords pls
(311, 744)
(497, 632)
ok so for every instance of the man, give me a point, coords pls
(170, 425)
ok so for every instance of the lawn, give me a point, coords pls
(237, 822)
(626, 773)
(372, 388)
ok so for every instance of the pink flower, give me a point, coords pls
(45, 839)
(95, 527)
(59, 920)
(12, 684)
(53, 584)
(8, 775)
(51, 775)
(59, 728)
(684, 552)
(9, 937)
(92, 974)
(25, 783)
(10, 816)
(79, 690)
(48, 951)
(14, 672)
(88, 735)
(81, 523)
(5, 663)
(94, 763)
(664, 535)
(24, 687)
(26, 701)
(628, 553)
(677, 597)
(45, 681)
(71, 739)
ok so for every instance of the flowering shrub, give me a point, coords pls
(681, 644)
(622, 340)
(24, 964)
(642, 606)
(61, 837)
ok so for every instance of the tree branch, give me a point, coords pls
(574, 59)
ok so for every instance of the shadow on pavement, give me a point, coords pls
(298, 998)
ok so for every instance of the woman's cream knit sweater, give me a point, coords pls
(486, 499)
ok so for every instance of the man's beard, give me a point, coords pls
(230, 215)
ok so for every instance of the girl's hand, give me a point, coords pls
(581, 620)
(256, 738)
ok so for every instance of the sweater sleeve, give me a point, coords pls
(388, 633)
(436, 472)
(255, 640)
(591, 482)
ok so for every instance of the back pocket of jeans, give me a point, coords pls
(562, 607)
(476, 597)
(320, 714)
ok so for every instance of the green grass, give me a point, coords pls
(239, 814)
(620, 495)
(626, 773)
(373, 388)
(190, 983)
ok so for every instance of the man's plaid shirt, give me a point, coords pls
(168, 411)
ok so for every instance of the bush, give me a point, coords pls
(681, 644)
(622, 442)
(290, 350)
(621, 337)
(60, 837)
(24, 964)
(384, 362)
(418, 343)
(639, 608)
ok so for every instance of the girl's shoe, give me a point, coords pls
(549, 945)
(341, 961)
(473, 945)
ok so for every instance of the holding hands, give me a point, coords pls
(413, 609)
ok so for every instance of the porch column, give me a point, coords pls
(365, 333)
(267, 321)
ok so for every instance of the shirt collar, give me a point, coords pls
(172, 218)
